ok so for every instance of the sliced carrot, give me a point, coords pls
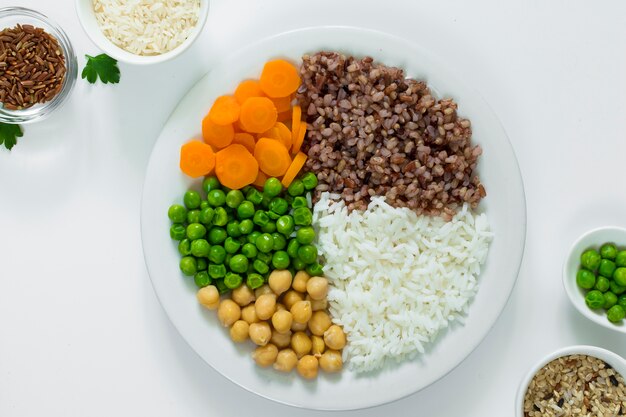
(225, 110)
(258, 114)
(284, 116)
(216, 135)
(282, 104)
(196, 159)
(271, 133)
(247, 89)
(284, 133)
(300, 139)
(279, 78)
(235, 167)
(260, 180)
(272, 156)
(294, 168)
(245, 139)
(296, 116)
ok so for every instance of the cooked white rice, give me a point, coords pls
(147, 27)
(397, 278)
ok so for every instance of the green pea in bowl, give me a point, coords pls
(593, 266)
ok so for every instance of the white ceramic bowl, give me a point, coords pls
(87, 18)
(613, 359)
(590, 240)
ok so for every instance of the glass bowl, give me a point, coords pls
(11, 16)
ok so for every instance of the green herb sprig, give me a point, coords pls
(9, 134)
(101, 66)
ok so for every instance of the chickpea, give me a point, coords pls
(280, 281)
(317, 287)
(291, 297)
(300, 280)
(265, 289)
(334, 337)
(280, 307)
(282, 340)
(260, 333)
(300, 343)
(209, 297)
(286, 360)
(265, 355)
(319, 323)
(228, 312)
(301, 311)
(307, 367)
(331, 361)
(265, 306)
(248, 313)
(239, 331)
(298, 327)
(317, 346)
(317, 305)
(281, 320)
(243, 295)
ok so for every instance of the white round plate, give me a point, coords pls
(165, 185)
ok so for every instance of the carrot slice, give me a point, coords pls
(300, 139)
(235, 167)
(260, 180)
(282, 104)
(245, 139)
(196, 159)
(296, 116)
(279, 78)
(258, 114)
(216, 135)
(284, 133)
(294, 168)
(272, 156)
(225, 110)
(247, 89)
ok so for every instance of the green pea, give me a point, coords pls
(590, 259)
(200, 247)
(177, 213)
(264, 257)
(620, 259)
(221, 287)
(620, 276)
(299, 202)
(228, 258)
(193, 216)
(302, 216)
(245, 210)
(177, 231)
(217, 235)
(315, 270)
(306, 235)
(210, 183)
(201, 264)
(202, 279)
(188, 265)
(184, 247)
(238, 263)
(292, 248)
(206, 216)
(254, 196)
(254, 281)
(616, 288)
(260, 218)
(272, 215)
(264, 243)
(279, 241)
(195, 231)
(269, 227)
(217, 270)
(295, 188)
(192, 199)
(606, 268)
(285, 225)
(252, 237)
(585, 279)
(279, 205)
(234, 198)
(221, 217)
(232, 228)
(616, 314)
(272, 187)
(297, 264)
(246, 226)
(216, 198)
(232, 281)
(309, 180)
(204, 204)
(608, 251)
(231, 245)
(602, 284)
(594, 299)
(260, 266)
(265, 202)
(610, 300)
(621, 300)
(307, 254)
(280, 260)
(217, 254)
(249, 250)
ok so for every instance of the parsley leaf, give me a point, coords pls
(9, 134)
(102, 66)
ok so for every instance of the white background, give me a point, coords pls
(81, 331)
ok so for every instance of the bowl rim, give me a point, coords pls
(568, 276)
(114, 51)
(612, 358)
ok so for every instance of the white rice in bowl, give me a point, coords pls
(397, 278)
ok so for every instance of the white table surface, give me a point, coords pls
(81, 331)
